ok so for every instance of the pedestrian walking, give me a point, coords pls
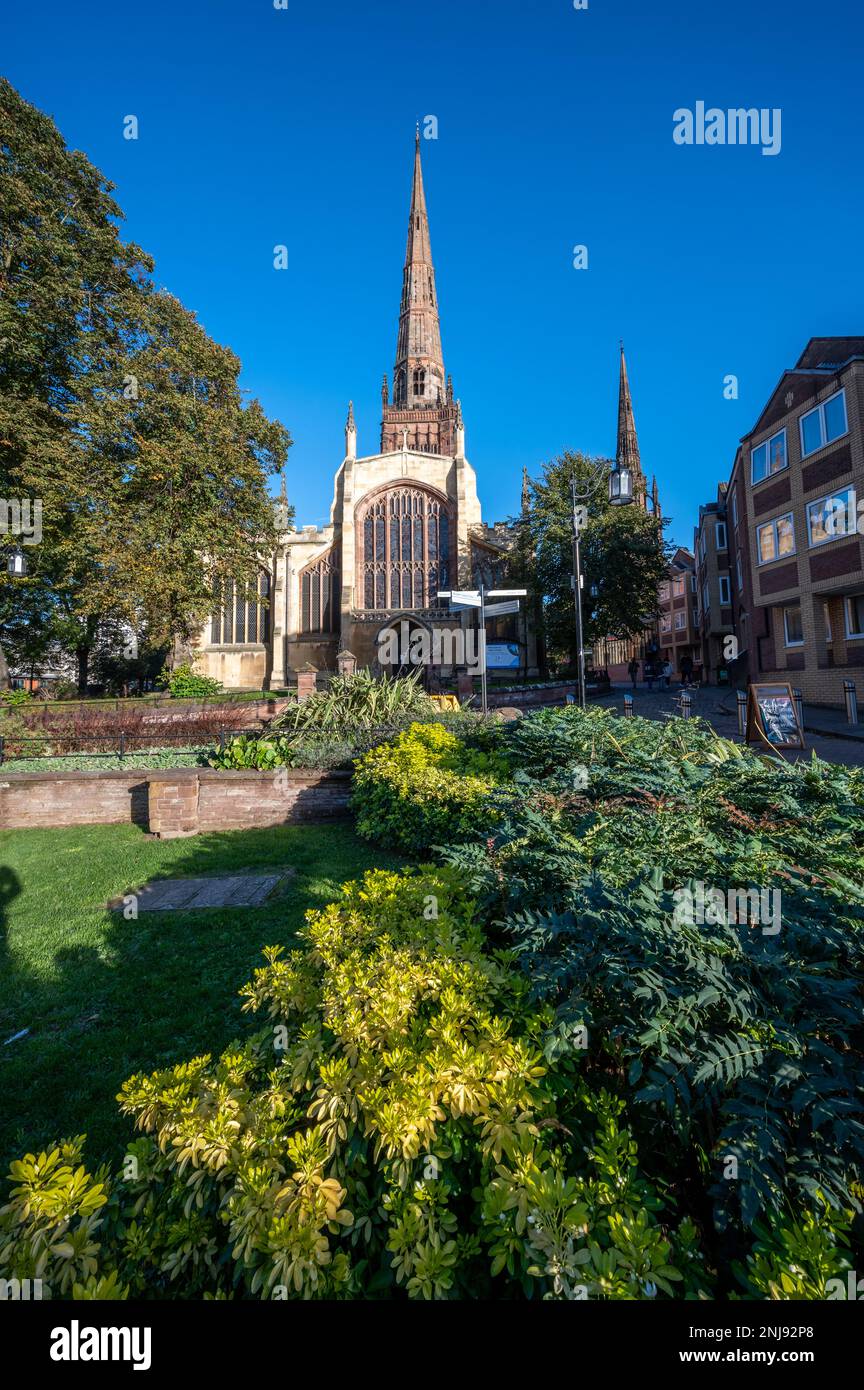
(686, 665)
(667, 674)
(633, 668)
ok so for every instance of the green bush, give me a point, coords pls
(423, 788)
(738, 1040)
(357, 702)
(184, 683)
(390, 1129)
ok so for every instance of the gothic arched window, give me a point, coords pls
(241, 617)
(403, 549)
(319, 594)
(419, 381)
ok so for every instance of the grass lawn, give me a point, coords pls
(104, 997)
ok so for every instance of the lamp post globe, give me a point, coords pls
(620, 487)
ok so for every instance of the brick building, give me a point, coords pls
(678, 612)
(712, 613)
(797, 559)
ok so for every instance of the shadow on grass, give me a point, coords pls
(104, 996)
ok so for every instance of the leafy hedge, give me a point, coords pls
(423, 788)
(391, 1127)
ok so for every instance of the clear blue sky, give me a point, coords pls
(260, 126)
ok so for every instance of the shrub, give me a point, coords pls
(391, 1129)
(184, 683)
(424, 787)
(357, 702)
(733, 1043)
(14, 699)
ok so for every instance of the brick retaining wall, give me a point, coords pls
(170, 802)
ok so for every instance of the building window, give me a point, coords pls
(695, 617)
(828, 518)
(793, 632)
(694, 584)
(680, 619)
(725, 590)
(319, 595)
(735, 507)
(826, 616)
(768, 458)
(403, 549)
(419, 382)
(706, 597)
(824, 424)
(678, 585)
(855, 615)
(666, 622)
(775, 539)
(721, 535)
(664, 592)
(739, 574)
(240, 618)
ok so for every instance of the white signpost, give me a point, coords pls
(476, 598)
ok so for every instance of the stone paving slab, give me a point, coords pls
(190, 894)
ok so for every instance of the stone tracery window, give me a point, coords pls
(319, 594)
(403, 538)
(239, 618)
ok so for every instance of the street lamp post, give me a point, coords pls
(620, 481)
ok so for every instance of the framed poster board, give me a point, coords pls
(772, 717)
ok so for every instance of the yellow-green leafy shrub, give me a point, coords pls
(390, 1129)
(425, 788)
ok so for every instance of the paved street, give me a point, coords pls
(826, 731)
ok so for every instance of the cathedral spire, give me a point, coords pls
(627, 449)
(419, 378)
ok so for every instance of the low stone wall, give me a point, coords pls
(170, 802)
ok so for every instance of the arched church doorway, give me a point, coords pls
(403, 647)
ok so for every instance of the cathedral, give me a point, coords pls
(404, 524)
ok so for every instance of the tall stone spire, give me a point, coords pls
(422, 396)
(627, 449)
(418, 377)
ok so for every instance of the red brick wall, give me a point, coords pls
(174, 802)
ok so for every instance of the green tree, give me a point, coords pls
(624, 557)
(117, 410)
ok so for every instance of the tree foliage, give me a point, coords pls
(117, 410)
(622, 552)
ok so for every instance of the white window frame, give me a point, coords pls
(784, 516)
(766, 445)
(680, 619)
(847, 611)
(726, 587)
(739, 572)
(735, 508)
(798, 642)
(677, 586)
(706, 597)
(724, 543)
(826, 617)
(820, 411)
(849, 506)
(665, 622)
(664, 591)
